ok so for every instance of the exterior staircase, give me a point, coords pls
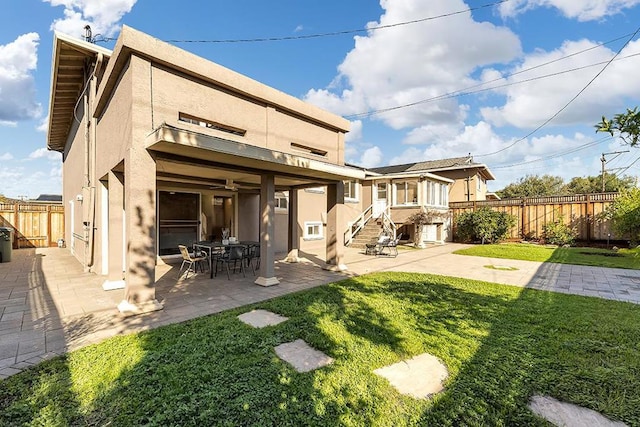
(369, 233)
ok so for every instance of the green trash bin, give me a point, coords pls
(6, 243)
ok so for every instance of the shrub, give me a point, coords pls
(625, 215)
(484, 225)
(558, 233)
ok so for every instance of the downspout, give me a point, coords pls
(91, 133)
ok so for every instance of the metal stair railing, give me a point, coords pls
(389, 227)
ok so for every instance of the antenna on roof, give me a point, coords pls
(87, 33)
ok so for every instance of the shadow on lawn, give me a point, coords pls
(501, 347)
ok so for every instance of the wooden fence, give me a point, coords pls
(35, 225)
(580, 212)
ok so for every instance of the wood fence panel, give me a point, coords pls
(35, 225)
(533, 213)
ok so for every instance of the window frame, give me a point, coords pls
(351, 197)
(314, 236)
(405, 185)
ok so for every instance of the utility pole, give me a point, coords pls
(603, 159)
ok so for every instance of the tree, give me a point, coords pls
(533, 185)
(625, 214)
(625, 125)
(593, 184)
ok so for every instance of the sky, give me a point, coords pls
(518, 84)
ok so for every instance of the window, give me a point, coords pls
(312, 230)
(480, 182)
(407, 193)
(210, 125)
(282, 201)
(308, 150)
(444, 195)
(382, 190)
(351, 190)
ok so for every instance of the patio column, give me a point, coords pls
(267, 231)
(293, 241)
(140, 225)
(115, 277)
(335, 227)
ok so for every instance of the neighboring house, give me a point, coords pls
(470, 178)
(48, 198)
(162, 147)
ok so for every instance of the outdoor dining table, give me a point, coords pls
(215, 248)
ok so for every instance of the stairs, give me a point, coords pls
(369, 233)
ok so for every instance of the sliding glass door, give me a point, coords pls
(178, 220)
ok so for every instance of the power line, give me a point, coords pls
(550, 119)
(327, 34)
(343, 32)
(466, 91)
(559, 154)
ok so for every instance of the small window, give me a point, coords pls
(282, 201)
(351, 190)
(382, 190)
(210, 124)
(312, 230)
(444, 195)
(308, 150)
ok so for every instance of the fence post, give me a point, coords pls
(524, 218)
(48, 226)
(16, 224)
(589, 217)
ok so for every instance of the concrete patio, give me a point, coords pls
(49, 306)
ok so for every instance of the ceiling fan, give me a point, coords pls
(228, 185)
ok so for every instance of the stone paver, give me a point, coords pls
(421, 376)
(569, 415)
(48, 305)
(261, 318)
(301, 356)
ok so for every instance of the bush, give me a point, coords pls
(625, 215)
(558, 233)
(484, 225)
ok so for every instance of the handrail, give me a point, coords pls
(388, 225)
(357, 224)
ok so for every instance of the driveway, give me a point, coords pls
(49, 306)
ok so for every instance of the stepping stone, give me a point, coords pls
(261, 318)
(301, 356)
(569, 415)
(419, 377)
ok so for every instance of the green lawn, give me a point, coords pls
(623, 258)
(501, 344)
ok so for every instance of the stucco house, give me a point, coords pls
(469, 177)
(161, 146)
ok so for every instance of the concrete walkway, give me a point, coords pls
(49, 306)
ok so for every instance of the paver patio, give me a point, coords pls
(49, 306)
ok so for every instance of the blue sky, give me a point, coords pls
(518, 84)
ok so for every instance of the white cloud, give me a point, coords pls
(530, 104)
(43, 152)
(355, 133)
(6, 156)
(18, 61)
(298, 28)
(415, 62)
(371, 157)
(102, 15)
(44, 125)
(583, 10)
(56, 172)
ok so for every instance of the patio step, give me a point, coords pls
(369, 233)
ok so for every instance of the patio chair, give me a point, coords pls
(235, 255)
(373, 247)
(253, 256)
(391, 246)
(191, 262)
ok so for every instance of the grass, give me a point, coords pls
(623, 258)
(501, 345)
